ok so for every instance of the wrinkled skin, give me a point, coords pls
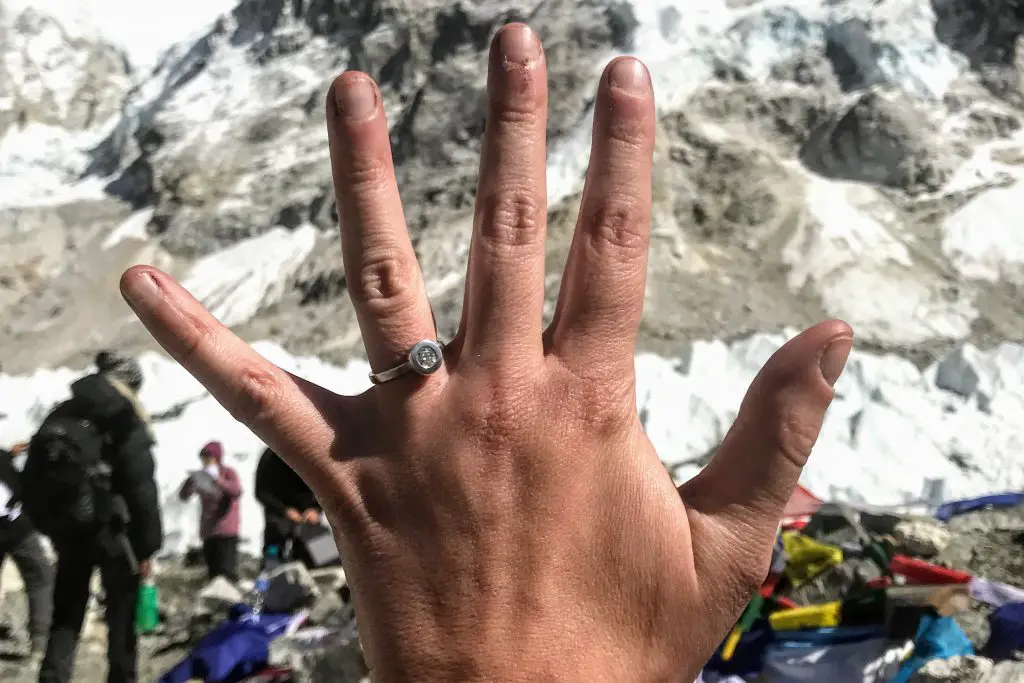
(506, 518)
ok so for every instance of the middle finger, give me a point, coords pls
(505, 285)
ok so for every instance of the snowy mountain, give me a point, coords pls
(816, 158)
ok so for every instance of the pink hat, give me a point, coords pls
(214, 450)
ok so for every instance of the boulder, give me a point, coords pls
(329, 579)
(969, 669)
(965, 669)
(921, 537)
(218, 597)
(1006, 672)
(328, 610)
(321, 655)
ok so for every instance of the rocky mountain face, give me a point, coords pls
(853, 159)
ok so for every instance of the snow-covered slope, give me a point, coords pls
(816, 158)
(890, 430)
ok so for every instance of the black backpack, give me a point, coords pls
(67, 484)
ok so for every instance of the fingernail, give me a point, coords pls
(142, 291)
(833, 359)
(518, 43)
(356, 97)
(630, 75)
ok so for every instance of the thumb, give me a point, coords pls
(750, 479)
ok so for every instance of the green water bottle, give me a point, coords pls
(147, 608)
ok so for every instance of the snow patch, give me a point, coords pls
(235, 283)
(983, 240)
(142, 30)
(40, 165)
(132, 228)
(847, 250)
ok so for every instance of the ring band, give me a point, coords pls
(425, 357)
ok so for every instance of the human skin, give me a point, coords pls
(506, 518)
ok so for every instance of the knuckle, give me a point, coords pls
(498, 409)
(512, 218)
(199, 334)
(384, 281)
(629, 133)
(619, 226)
(256, 396)
(366, 174)
(603, 412)
(516, 114)
(794, 436)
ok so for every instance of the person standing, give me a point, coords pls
(25, 546)
(89, 485)
(219, 489)
(287, 502)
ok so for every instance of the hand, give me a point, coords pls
(311, 516)
(293, 515)
(514, 490)
(146, 569)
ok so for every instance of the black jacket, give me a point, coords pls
(12, 532)
(128, 452)
(279, 488)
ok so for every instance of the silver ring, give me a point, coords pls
(424, 358)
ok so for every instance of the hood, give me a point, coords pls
(215, 451)
(102, 399)
(106, 397)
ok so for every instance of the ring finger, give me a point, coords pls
(382, 273)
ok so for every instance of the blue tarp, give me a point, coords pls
(937, 638)
(1007, 627)
(861, 661)
(749, 658)
(947, 511)
(233, 651)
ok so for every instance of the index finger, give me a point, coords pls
(288, 413)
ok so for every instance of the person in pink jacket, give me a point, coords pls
(219, 489)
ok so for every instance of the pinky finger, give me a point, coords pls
(285, 411)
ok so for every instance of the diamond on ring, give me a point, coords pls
(425, 357)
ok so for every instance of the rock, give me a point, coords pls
(965, 669)
(329, 579)
(884, 138)
(969, 669)
(1006, 672)
(333, 608)
(218, 597)
(223, 141)
(320, 655)
(984, 30)
(921, 537)
(290, 588)
(986, 543)
(961, 373)
(327, 610)
(82, 96)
